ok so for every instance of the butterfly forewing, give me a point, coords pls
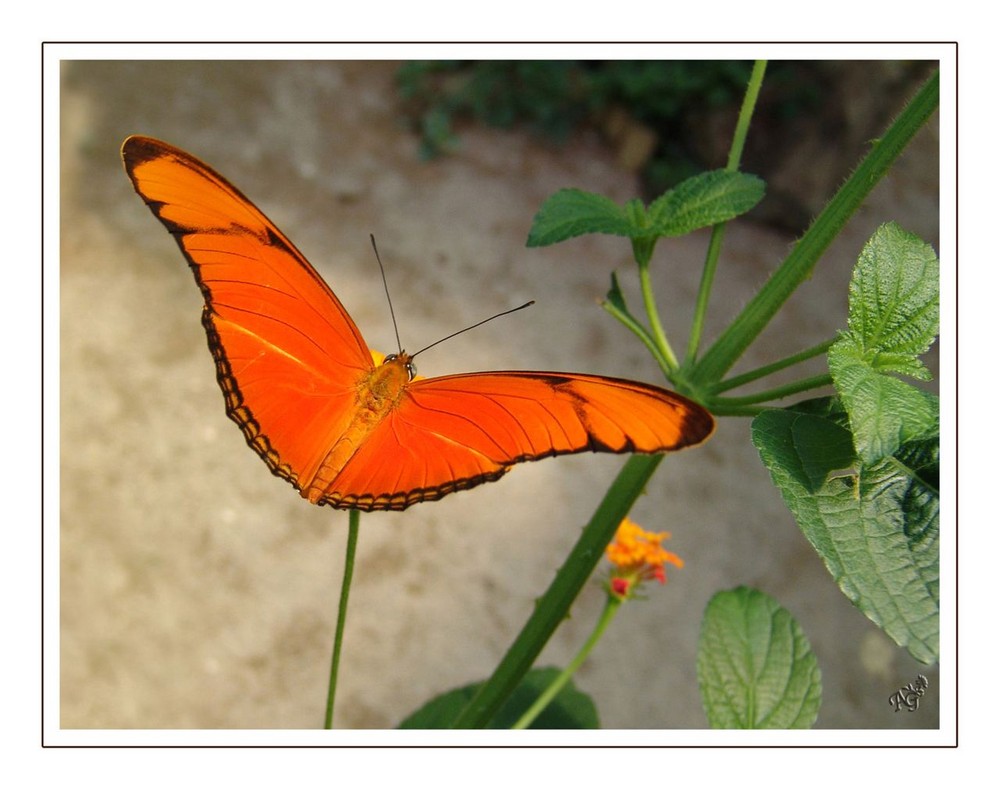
(288, 355)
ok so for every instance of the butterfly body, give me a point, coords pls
(310, 399)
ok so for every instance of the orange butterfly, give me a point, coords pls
(302, 385)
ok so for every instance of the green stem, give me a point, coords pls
(774, 367)
(610, 609)
(723, 406)
(746, 113)
(798, 266)
(718, 231)
(354, 520)
(649, 301)
(552, 608)
(640, 332)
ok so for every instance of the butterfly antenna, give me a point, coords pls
(479, 323)
(385, 285)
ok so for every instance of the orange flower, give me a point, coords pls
(637, 556)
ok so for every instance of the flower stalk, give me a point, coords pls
(636, 557)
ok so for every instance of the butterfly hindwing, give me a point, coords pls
(455, 432)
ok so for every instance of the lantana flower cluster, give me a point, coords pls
(637, 556)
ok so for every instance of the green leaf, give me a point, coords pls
(905, 498)
(571, 708)
(704, 200)
(573, 212)
(876, 528)
(697, 202)
(816, 444)
(884, 411)
(893, 312)
(756, 669)
(893, 318)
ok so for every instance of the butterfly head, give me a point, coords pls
(404, 360)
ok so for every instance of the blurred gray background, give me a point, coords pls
(199, 591)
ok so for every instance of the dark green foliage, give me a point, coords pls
(571, 708)
(554, 97)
